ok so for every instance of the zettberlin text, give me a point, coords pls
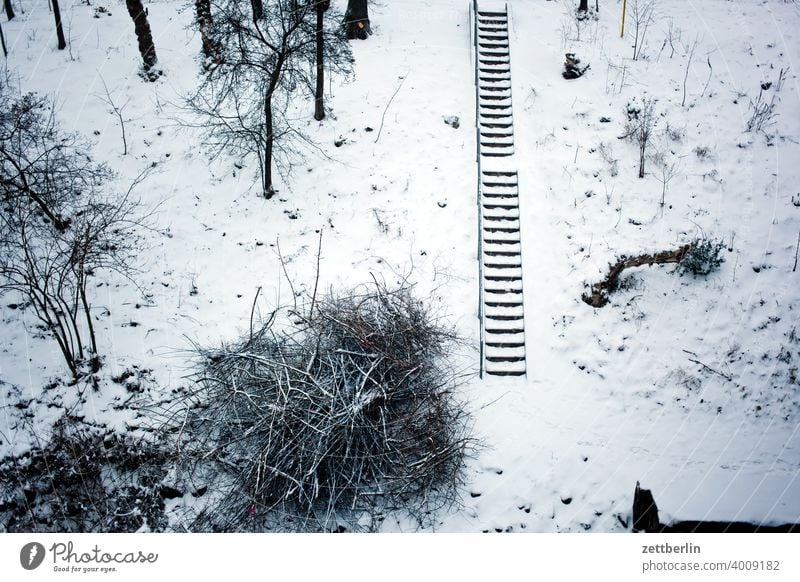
(671, 549)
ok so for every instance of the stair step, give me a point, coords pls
(501, 304)
(495, 196)
(496, 117)
(494, 97)
(505, 372)
(516, 265)
(505, 335)
(505, 248)
(502, 273)
(504, 331)
(497, 145)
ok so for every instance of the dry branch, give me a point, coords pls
(599, 294)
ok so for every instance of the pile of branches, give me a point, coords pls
(333, 422)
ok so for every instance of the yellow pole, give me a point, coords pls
(624, 7)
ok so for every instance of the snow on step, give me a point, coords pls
(502, 306)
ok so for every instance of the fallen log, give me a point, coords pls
(598, 296)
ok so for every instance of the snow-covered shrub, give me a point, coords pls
(762, 112)
(334, 422)
(703, 257)
(641, 119)
(84, 479)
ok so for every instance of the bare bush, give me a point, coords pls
(763, 112)
(607, 153)
(642, 14)
(58, 226)
(348, 416)
(641, 119)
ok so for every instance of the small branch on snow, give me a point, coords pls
(383, 117)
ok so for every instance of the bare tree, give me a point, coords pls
(643, 15)
(58, 227)
(641, 119)
(144, 37)
(118, 111)
(9, 9)
(242, 102)
(583, 6)
(62, 42)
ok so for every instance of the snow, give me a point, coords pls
(611, 396)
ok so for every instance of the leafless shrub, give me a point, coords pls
(58, 226)
(642, 15)
(348, 416)
(763, 113)
(641, 119)
(607, 153)
(668, 168)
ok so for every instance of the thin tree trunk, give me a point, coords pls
(143, 34)
(62, 42)
(92, 337)
(319, 103)
(9, 9)
(641, 159)
(267, 170)
(258, 9)
(3, 42)
(584, 6)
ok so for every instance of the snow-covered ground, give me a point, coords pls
(613, 395)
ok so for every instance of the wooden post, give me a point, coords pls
(624, 8)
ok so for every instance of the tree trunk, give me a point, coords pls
(258, 9)
(641, 159)
(356, 19)
(584, 6)
(62, 42)
(204, 24)
(142, 27)
(269, 190)
(3, 42)
(319, 103)
(9, 9)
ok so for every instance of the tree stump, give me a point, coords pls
(645, 511)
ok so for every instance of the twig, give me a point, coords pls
(252, 311)
(285, 272)
(396, 91)
(316, 277)
(686, 76)
(709, 368)
(118, 111)
(710, 72)
(796, 250)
